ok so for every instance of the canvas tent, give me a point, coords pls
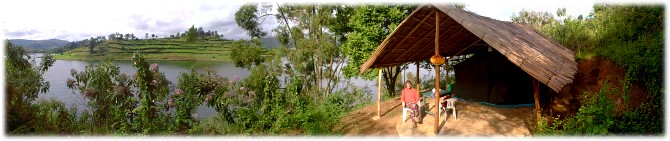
(435, 30)
(489, 77)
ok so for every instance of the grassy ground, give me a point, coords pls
(154, 49)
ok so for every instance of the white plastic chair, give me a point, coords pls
(451, 104)
(405, 110)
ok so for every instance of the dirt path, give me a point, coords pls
(473, 119)
(360, 122)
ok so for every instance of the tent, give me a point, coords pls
(490, 78)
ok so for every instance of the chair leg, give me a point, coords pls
(454, 113)
(444, 110)
(404, 115)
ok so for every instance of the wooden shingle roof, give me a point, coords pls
(462, 32)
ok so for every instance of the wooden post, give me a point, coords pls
(437, 71)
(446, 68)
(437, 97)
(418, 90)
(418, 81)
(536, 93)
(379, 95)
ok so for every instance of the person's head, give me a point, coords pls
(408, 84)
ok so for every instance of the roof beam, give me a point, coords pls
(451, 47)
(473, 43)
(413, 29)
(424, 37)
(424, 48)
(373, 58)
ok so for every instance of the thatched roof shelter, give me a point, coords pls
(436, 30)
(462, 32)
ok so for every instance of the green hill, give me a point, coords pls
(39, 45)
(269, 42)
(210, 49)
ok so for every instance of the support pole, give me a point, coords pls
(418, 90)
(418, 81)
(446, 69)
(437, 97)
(437, 71)
(379, 95)
(536, 93)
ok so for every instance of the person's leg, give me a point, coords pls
(415, 113)
(414, 110)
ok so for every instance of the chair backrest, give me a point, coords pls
(451, 102)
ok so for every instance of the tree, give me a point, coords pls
(629, 35)
(371, 24)
(190, 35)
(247, 19)
(533, 18)
(146, 35)
(91, 44)
(26, 83)
(246, 53)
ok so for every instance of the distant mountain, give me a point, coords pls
(269, 42)
(39, 45)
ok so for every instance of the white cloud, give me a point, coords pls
(76, 20)
(503, 10)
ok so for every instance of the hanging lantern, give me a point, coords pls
(437, 60)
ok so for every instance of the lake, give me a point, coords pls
(60, 72)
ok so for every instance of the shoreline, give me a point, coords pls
(61, 57)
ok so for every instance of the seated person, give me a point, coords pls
(443, 100)
(410, 99)
(442, 92)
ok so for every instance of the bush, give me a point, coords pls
(631, 36)
(595, 117)
(26, 83)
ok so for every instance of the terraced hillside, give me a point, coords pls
(209, 49)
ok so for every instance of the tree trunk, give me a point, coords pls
(390, 76)
(283, 15)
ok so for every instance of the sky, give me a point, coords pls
(76, 20)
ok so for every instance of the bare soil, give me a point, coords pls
(472, 119)
(475, 119)
(592, 74)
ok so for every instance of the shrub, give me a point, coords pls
(26, 83)
(595, 117)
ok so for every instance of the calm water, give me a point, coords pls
(60, 72)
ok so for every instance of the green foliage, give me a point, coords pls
(26, 83)
(190, 35)
(246, 53)
(316, 54)
(629, 35)
(371, 24)
(532, 18)
(106, 91)
(153, 90)
(595, 117)
(258, 106)
(246, 17)
(147, 103)
(632, 36)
